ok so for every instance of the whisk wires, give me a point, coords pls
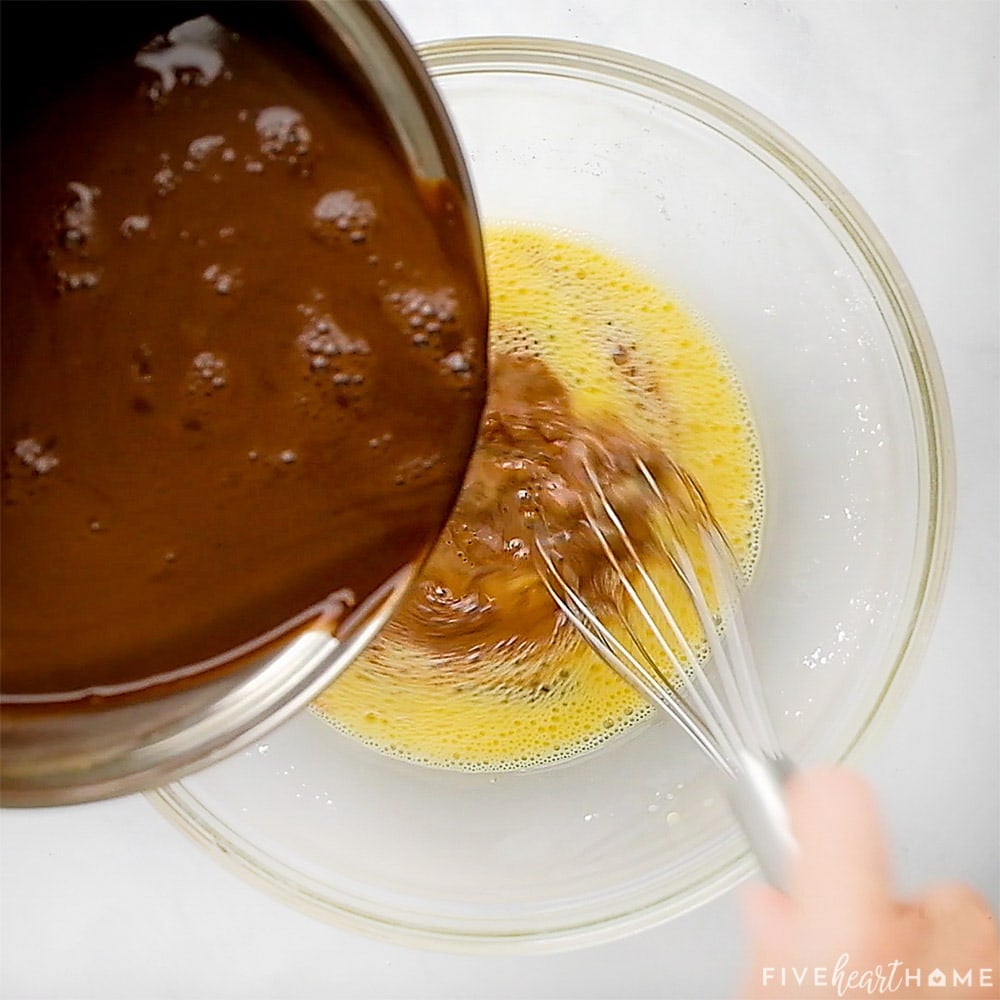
(640, 634)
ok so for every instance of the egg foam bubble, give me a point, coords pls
(624, 350)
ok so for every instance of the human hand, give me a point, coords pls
(840, 932)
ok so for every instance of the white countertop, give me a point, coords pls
(900, 101)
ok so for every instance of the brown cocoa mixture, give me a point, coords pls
(243, 352)
(480, 589)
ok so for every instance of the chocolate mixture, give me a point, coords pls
(479, 590)
(242, 355)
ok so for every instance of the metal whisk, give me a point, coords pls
(723, 713)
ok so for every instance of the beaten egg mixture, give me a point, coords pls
(477, 670)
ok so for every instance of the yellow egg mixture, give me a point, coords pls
(625, 350)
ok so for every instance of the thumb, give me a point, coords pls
(842, 869)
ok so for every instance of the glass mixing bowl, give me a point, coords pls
(820, 323)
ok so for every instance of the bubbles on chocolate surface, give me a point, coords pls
(321, 337)
(209, 372)
(79, 215)
(200, 149)
(456, 362)
(34, 455)
(74, 281)
(133, 224)
(283, 133)
(76, 251)
(225, 281)
(343, 212)
(165, 181)
(188, 54)
(428, 315)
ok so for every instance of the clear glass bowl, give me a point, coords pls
(823, 328)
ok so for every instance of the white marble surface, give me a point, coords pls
(900, 101)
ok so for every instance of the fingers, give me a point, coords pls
(840, 902)
(767, 913)
(951, 900)
(962, 922)
(842, 868)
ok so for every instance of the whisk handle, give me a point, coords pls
(758, 799)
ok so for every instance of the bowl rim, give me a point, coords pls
(932, 427)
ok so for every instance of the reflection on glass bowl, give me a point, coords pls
(819, 321)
